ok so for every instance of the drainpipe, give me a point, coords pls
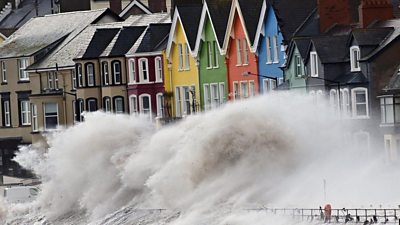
(198, 83)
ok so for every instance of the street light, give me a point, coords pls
(248, 73)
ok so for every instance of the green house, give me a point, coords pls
(295, 71)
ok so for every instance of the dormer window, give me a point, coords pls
(355, 58)
(314, 64)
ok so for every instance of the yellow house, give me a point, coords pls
(183, 66)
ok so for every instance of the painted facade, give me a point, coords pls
(295, 71)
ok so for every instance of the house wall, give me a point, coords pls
(235, 72)
(297, 84)
(182, 77)
(211, 75)
(271, 29)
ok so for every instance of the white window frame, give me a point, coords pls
(132, 71)
(81, 109)
(334, 100)
(209, 55)
(345, 102)
(133, 105)
(180, 57)
(314, 64)
(25, 108)
(236, 90)
(216, 55)
(178, 101)
(90, 74)
(187, 57)
(214, 94)
(3, 72)
(252, 88)
(105, 72)
(74, 84)
(207, 97)
(52, 80)
(113, 64)
(142, 70)
(158, 69)
(354, 103)
(245, 53)
(269, 49)
(297, 66)
(115, 105)
(355, 58)
(239, 61)
(80, 75)
(266, 86)
(107, 105)
(91, 101)
(276, 48)
(22, 65)
(7, 113)
(46, 116)
(222, 97)
(142, 111)
(244, 89)
(186, 102)
(160, 105)
(35, 125)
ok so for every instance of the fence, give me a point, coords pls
(385, 216)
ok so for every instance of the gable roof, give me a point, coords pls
(146, 19)
(132, 4)
(328, 54)
(31, 38)
(155, 35)
(123, 41)
(251, 11)
(302, 45)
(189, 17)
(370, 36)
(101, 38)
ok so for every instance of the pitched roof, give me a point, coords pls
(190, 18)
(31, 37)
(394, 83)
(327, 53)
(123, 41)
(251, 11)
(370, 36)
(25, 11)
(352, 78)
(303, 46)
(144, 20)
(219, 13)
(155, 35)
(101, 39)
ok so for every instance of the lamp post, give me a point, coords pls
(248, 73)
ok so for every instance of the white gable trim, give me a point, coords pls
(260, 27)
(132, 4)
(171, 37)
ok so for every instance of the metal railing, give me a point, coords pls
(385, 216)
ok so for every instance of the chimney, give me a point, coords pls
(371, 10)
(333, 12)
(157, 6)
(116, 6)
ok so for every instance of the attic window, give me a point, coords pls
(355, 58)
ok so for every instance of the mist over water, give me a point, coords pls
(273, 151)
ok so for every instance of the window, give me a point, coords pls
(133, 104)
(245, 52)
(359, 99)
(79, 72)
(186, 101)
(390, 110)
(238, 52)
(333, 100)
(314, 64)
(269, 85)
(25, 112)
(187, 58)
(209, 55)
(178, 101)
(269, 50)
(80, 110)
(244, 89)
(214, 96)
(222, 93)
(345, 100)
(143, 70)
(52, 80)
(119, 105)
(159, 70)
(75, 113)
(104, 69)
(116, 65)
(236, 90)
(73, 74)
(35, 126)
(252, 88)
(320, 96)
(132, 71)
(215, 58)
(180, 55)
(90, 74)
(355, 58)
(276, 48)
(50, 116)
(91, 105)
(160, 105)
(266, 86)
(107, 104)
(22, 65)
(145, 104)
(7, 114)
(297, 64)
(207, 97)
(3, 72)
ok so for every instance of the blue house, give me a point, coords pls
(279, 21)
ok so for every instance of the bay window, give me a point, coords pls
(50, 116)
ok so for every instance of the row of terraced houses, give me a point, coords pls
(202, 55)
